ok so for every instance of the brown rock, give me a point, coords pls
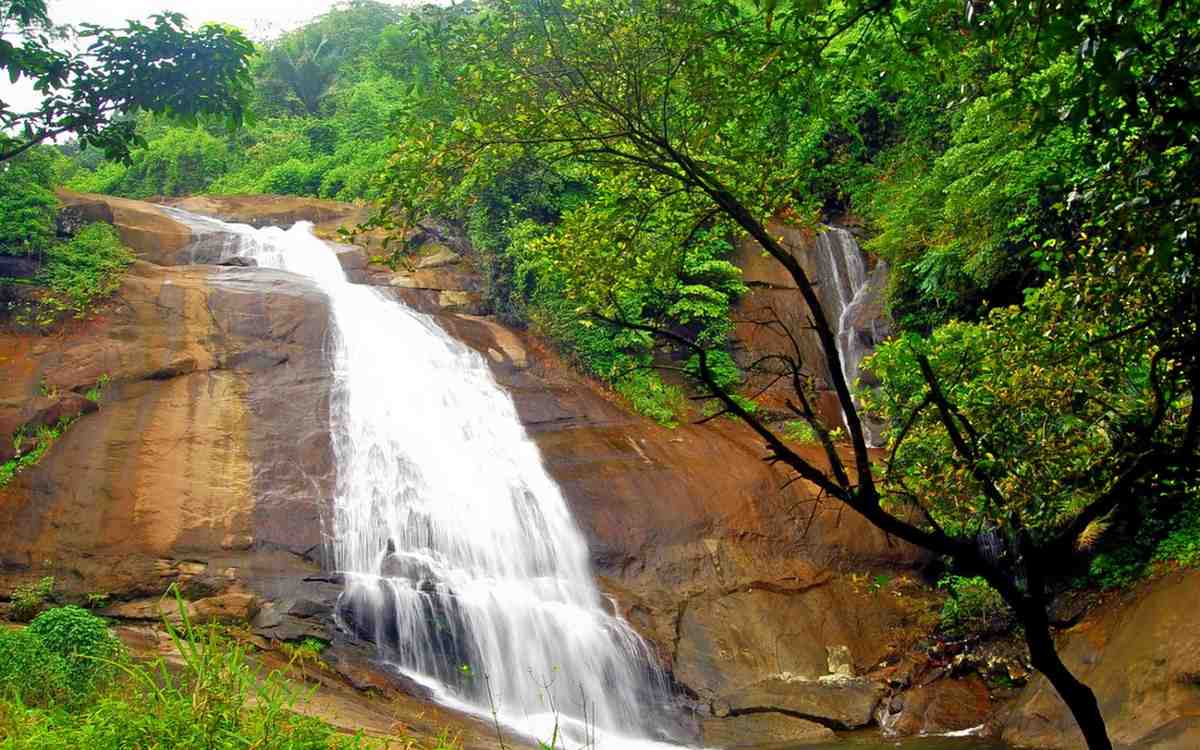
(212, 441)
(847, 703)
(1141, 656)
(226, 608)
(153, 235)
(942, 706)
(763, 730)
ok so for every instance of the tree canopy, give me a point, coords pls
(158, 67)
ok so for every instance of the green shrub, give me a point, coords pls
(81, 638)
(26, 457)
(215, 700)
(83, 271)
(106, 178)
(972, 607)
(180, 161)
(28, 600)
(29, 671)
(27, 203)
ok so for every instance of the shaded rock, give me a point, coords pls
(19, 266)
(847, 703)
(225, 608)
(439, 256)
(721, 639)
(238, 262)
(762, 730)
(939, 707)
(1141, 656)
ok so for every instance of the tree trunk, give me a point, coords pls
(1079, 697)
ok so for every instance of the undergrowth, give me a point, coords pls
(31, 448)
(66, 683)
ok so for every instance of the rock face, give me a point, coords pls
(1142, 658)
(850, 287)
(741, 585)
(208, 463)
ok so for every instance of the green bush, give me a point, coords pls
(216, 700)
(107, 177)
(79, 637)
(86, 269)
(28, 600)
(180, 161)
(972, 607)
(30, 672)
(27, 203)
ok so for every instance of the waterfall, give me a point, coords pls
(461, 559)
(851, 290)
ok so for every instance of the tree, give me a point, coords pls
(1005, 452)
(306, 65)
(161, 67)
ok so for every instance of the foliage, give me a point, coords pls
(30, 672)
(28, 600)
(27, 203)
(82, 639)
(179, 161)
(304, 652)
(972, 606)
(27, 454)
(160, 67)
(78, 274)
(218, 700)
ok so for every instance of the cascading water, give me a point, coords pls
(848, 269)
(461, 559)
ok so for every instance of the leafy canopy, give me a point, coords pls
(159, 67)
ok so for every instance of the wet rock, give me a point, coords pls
(238, 262)
(225, 608)
(763, 730)
(844, 702)
(210, 444)
(946, 705)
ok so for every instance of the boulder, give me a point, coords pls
(438, 256)
(1141, 656)
(939, 707)
(152, 234)
(842, 702)
(227, 608)
(763, 730)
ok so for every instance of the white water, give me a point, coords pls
(461, 558)
(851, 291)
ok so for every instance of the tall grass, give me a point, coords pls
(211, 698)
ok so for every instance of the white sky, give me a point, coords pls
(259, 19)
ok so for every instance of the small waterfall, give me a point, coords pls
(841, 260)
(461, 558)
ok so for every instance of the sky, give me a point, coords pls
(260, 19)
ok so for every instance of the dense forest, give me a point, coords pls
(1027, 171)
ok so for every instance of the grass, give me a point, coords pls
(77, 275)
(43, 438)
(65, 682)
